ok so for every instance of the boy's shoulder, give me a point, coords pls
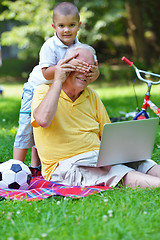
(53, 42)
(51, 39)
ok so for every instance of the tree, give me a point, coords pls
(136, 29)
(100, 24)
(151, 8)
(31, 19)
(143, 28)
(111, 27)
(103, 27)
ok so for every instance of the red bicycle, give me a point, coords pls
(147, 102)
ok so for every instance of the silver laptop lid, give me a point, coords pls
(127, 141)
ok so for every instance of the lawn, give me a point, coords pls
(121, 214)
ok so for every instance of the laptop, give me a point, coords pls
(124, 142)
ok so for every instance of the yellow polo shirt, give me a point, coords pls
(75, 129)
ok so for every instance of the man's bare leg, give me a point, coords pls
(136, 179)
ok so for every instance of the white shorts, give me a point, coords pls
(24, 138)
(68, 174)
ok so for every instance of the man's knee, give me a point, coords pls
(136, 179)
(154, 171)
(128, 179)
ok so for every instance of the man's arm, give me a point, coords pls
(46, 110)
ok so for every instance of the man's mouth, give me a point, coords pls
(82, 79)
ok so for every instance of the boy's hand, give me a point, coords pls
(80, 65)
(93, 74)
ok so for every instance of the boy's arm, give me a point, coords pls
(48, 72)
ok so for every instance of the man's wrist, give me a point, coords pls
(57, 84)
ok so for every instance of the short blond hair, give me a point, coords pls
(66, 8)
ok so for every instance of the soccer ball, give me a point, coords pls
(14, 174)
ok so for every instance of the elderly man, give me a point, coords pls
(68, 119)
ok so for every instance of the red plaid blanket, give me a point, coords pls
(40, 189)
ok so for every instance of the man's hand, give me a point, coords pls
(93, 74)
(62, 69)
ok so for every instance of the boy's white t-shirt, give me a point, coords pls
(51, 52)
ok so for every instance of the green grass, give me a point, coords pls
(136, 212)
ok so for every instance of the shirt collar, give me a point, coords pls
(79, 100)
(59, 43)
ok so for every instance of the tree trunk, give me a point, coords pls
(136, 30)
(152, 9)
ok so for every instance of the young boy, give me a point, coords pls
(66, 23)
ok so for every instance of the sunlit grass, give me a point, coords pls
(126, 91)
(12, 90)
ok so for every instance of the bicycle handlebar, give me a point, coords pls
(127, 61)
(138, 71)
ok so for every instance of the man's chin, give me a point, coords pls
(82, 86)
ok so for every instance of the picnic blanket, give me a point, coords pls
(40, 189)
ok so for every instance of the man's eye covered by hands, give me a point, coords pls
(80, 65)
(90, 71)
(73, 64)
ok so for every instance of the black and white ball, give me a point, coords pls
(14, 174)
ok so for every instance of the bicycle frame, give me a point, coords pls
(147, 102)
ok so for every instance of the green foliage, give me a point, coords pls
(34, 19)
(100, 22)
(109, 26)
